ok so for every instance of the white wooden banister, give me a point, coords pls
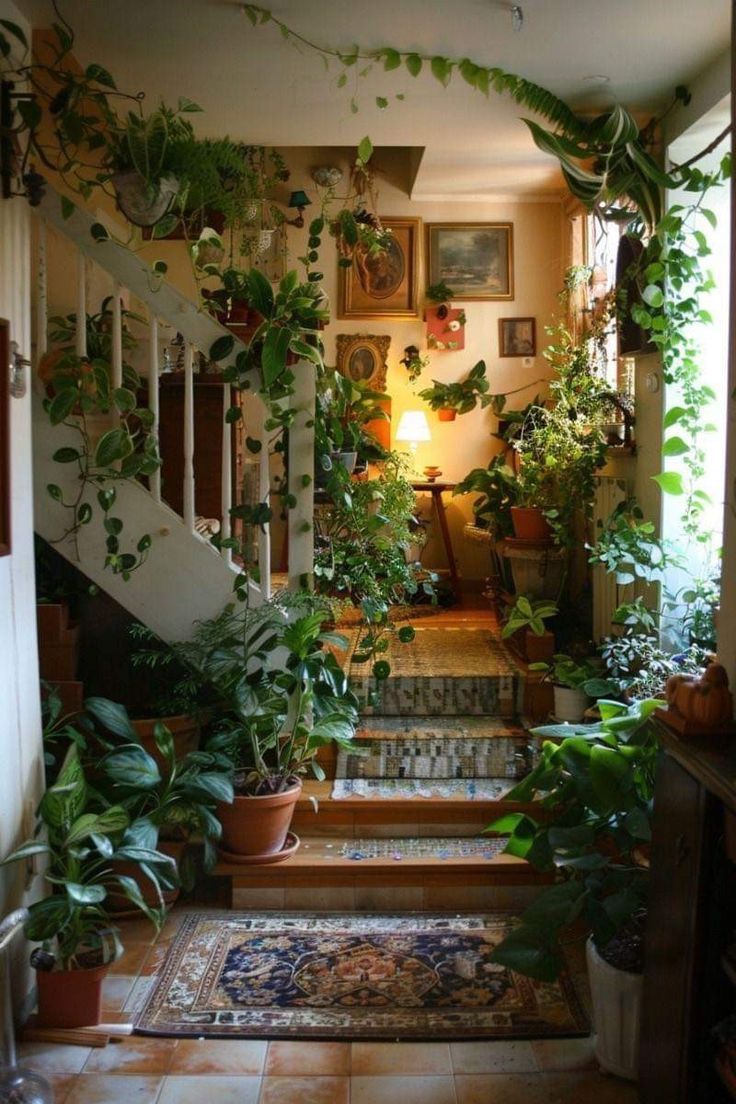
(301, 477)
(226, 489)
(81, 336)
(153, 396)
(264, 495)
(188, 437)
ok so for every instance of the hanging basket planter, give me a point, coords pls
(446, 414)
(139, 202)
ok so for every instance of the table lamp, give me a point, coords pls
(413, 427)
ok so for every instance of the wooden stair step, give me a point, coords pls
(323, 873)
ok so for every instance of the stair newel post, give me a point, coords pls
(153, 397)
(300, 518)
(264, 495)
(81, 336)
(42, 306)
(117, 336)
(188, 488)
(227, 471)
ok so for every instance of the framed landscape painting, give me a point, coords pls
(384, 286)
(475, 259)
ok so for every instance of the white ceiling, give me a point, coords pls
(255, 86)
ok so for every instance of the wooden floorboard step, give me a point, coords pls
(414, 872)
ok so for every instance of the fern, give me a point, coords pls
(539, 100)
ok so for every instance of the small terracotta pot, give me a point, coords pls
(253, 827)
(446, 415)
(70, 998)
(530, 523)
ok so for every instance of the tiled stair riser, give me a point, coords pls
(414, 696)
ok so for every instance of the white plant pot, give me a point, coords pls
(570, 704)
(616, 996)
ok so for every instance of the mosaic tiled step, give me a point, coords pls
(419, 847)
(444, 672)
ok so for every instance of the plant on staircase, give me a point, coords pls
(595, 785)
(83, 396)
(527, 613)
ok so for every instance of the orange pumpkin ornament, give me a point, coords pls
(706, 700)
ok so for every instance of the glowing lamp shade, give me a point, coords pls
(413, 427)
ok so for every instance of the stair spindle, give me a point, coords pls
(117, 336)
(264, 493)
(227, 471)
(153, 396)
(188, 489)
(81, 337)
(42, 308)
(300, 519)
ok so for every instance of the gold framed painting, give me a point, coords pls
(475, 259)
(362, 358)
(384, 286)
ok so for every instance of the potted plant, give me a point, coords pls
(343, 410)
(81, 847)
(526, 618)
(595, 785)
(497, 486)
(451, 399)
(172, 808)
(273, 716)
(575, 684)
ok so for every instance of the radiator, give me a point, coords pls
(609, 494)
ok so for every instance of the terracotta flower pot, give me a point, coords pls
(70, 998)
(530, 523)
(256, 827)
(446, 415)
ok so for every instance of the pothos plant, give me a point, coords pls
(81, 389)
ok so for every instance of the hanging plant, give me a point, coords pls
(414, 362)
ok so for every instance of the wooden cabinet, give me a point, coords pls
(690, 915)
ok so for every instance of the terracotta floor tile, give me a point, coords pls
(53, 1057)
(493, 1057)
(306, 1090)
(401, 1058)
(502, 1088)
(588, 1088)
(61, 1083)
(210, 1090)
(132, 959)
(115, 991)
(138, 930)
(307, 1059)
(403, 1090)
(219, 1056)
(95, 1088)
(133, 1055)
(564, 1055)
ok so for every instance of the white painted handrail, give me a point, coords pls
(153, 394)
(226, 489)
(188, 489)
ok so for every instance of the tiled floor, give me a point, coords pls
(140, 1070)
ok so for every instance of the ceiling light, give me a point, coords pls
(597, 78)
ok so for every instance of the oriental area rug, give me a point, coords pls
(287, 975)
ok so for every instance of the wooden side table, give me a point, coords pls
(436, 489)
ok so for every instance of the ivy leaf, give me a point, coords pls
(15, 30)
(342, 80)
(653, 295)
(675, 446)
(442, 70)
(674, 415)
(670, 482)
(365, 150)
(381, 102)
(30, 112)
(99, 232)
(67, 207)
(391, 58)
(413, 64)
(222, 347)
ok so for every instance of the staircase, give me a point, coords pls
(185, 578)
(401, 826)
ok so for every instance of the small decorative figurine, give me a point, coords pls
(698, 706)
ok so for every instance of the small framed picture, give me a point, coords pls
(475, 259)
(517, 337)
(384, 286)
(362, 358)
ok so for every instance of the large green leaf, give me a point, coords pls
(273, 357)
(112, 716)
(85, 894)
(132, 767)
(528, 952)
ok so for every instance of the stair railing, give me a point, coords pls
(199, 331)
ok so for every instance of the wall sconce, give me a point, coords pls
(299, 200)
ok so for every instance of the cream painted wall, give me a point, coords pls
(20, 722)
